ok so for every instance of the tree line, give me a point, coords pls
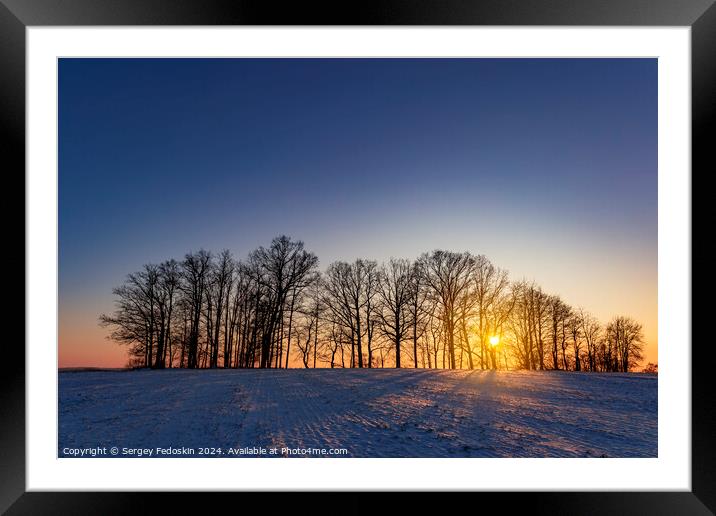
(276, 309)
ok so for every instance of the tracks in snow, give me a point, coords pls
(371, 413)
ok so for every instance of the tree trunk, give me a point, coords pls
(467, 345)
(358, 337)
(290, 324)
(415, 343)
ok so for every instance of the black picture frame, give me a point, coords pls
(700, 15)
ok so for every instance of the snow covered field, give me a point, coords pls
(368, 413)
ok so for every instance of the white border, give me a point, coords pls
(670, 471)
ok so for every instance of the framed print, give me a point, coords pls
(412, 249)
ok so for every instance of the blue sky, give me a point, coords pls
(547, 166)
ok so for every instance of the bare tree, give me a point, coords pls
(132, 323)
(558, 313)
(308, 329)
(283, 267)
(447, 274)
(454, 309)
(575, 332)
(167, 288)
(347, 295)
(394, 293)
(220, 280)
(371, 313)
(195, 268)
(489, 287)
(520, 325)
(339, 300)
(626, 338)
(419, 313)
(498, 313)
(591, 330)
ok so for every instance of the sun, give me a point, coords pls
(494, 340)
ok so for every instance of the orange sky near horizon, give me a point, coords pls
(81, 347)
(83, 343)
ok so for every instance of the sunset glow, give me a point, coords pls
(546, 167)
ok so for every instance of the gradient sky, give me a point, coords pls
(547, 166)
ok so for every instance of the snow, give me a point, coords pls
(369, 413)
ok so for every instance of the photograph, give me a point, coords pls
(357, 257)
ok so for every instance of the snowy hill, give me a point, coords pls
(359, 413)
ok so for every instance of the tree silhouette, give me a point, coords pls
(276, 309)
(395, 292)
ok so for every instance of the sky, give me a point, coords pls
(546, 166)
